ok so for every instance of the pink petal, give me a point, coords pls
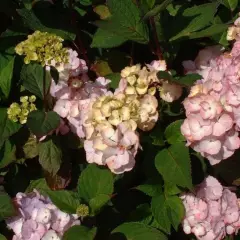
(210, 146)
(223, 124)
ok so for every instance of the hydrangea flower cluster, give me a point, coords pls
(137, 80)
(19, 112)
(107, 121)
(43, 47)
(213, 105)
(39, 218)
(212, 212)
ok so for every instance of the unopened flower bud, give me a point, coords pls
(17, 112)
(82, 210)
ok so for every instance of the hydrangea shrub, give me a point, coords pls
(119, 119)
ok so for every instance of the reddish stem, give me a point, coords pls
(132, 55)
(155, 37)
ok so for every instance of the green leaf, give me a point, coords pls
(2, 237)
(81, 11)
(167, 211)
(54, 74)
(152, 187)
(50, 155)
(105, 39)
(6, 206)
(11, 37)
(7, 127)
(221, 38)
(173, 133)
(47, 22)
(30, 148)
(231, 4)
(6, 72)
(65, 200)
(157, 136)
(210, 31)
(7, 154)
(79, 233)
(171, 189)
(39, 184)
(41, 123)
(157, 9)
(125, 21)
(189, 79)
(115, 79)
(186, 81)
(27, 4)
(98, 202)
(165, 75)
(85, 2)
(32, 76)
(142, 214)
(147, 3)
(173, 9)
(193, 19)
(102, 11)
(94, 181)
(174, 165)
(102, 68)
(136, 231)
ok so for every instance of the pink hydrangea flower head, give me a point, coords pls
(212, 108)
(39, 218)
(212, 212)
(114, 148)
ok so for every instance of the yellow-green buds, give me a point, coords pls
(43, 47)
(82, 210)
(19, 112)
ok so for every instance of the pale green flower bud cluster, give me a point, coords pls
(19, 112)
(82, 210)
(43, 47)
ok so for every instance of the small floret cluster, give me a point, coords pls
(43, 47)
(213, 105)
(39, 218)
(212, 212)
(137, 80)
(19, 112)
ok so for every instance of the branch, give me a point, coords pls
(155, 37)
(132, 55)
